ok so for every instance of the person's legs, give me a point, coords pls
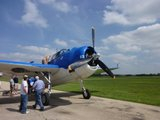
(21, 102)
(36, 100)
(39, 99)
(0, 84)
(24, 103)
(16, 88)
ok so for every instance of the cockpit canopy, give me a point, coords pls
(59, 53)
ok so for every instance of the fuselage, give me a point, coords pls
(63, 76)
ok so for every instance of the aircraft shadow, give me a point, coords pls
(55, 100)
(9, 99)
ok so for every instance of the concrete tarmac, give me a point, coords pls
(70, 106)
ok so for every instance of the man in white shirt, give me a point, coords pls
(24, 95)
(11, 86)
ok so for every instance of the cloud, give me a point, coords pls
(132, 12)
(137, 51)
(60, 5)
(114, 17)
(28, 53)
(32, 15)
(121, 58)
(101, 49)
(19, 56)
(61, 42)
(37, 50)
(144, 39)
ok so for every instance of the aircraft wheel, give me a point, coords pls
(86, 94)
(45, 99)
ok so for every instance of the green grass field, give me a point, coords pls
(142, 89)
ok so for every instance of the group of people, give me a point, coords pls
(27, 86)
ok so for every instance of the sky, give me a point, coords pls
(127, 31)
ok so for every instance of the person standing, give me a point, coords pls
(24, 95)
(11, 86)
(38, 87)
(0, 84)
(15, 79)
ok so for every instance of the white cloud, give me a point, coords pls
(137, 51)
(143, 39)
(101, 49)
(75, 43)
(19, 56)
(28, 53)
(61, 42)
(32, 15)
(114, 17)
(121, 58)
(37, 50)
(60, 5)
(130, 12)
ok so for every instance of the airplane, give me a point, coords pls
(64, 66)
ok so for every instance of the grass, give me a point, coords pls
(142, 89)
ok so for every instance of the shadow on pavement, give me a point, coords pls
(55, 100)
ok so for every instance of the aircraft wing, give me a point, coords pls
(25, 67)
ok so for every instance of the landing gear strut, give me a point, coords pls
(46, 95)
(85, 92)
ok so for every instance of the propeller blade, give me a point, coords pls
(105, 68)
(93, 36)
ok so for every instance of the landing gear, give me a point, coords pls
(85, 92)
(46, 95)
(45, 99)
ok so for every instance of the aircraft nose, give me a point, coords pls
(89, 52)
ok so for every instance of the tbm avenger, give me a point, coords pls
(64, 66)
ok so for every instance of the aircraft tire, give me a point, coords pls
(45, 99)
(86, 94)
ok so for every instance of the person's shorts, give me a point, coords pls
(16, 85)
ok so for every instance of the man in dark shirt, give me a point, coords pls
(15, 79)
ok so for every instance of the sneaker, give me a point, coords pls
(42, 109)
(25, 112)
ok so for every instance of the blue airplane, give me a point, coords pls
(64, 66)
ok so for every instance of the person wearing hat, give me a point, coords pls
(24, 95)
(38, 87)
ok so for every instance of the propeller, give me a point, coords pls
(93, 36)
(96, 59)
(105, 68)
